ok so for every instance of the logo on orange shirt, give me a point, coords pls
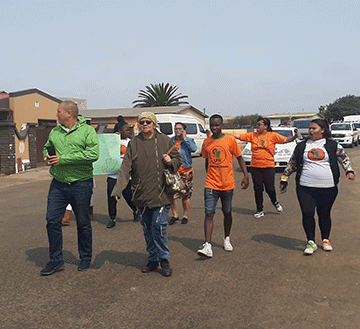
(316, 154)
(217, 155)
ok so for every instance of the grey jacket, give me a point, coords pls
(143, 162)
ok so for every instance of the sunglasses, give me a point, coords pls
(142, 122)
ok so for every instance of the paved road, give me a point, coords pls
(266, 282)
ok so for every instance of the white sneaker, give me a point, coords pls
(205, 250)
(310, 247)
(259, 214)
(327, 245)
(227, 244)
(278, 207)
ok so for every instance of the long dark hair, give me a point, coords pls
(266, 122)
(324, 125)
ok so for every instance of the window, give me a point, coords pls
(344, 126)
(166, 128)
(302, 124)
(285, 133)
(201, 128)
(191, 128)
(6, 115)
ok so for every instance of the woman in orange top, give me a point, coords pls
(185, 147)
(262, 163)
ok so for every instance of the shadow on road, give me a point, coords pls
(191, 244)
(280, 241)
(243, 211)
(41, 256)
(133, 259)
(104, 219)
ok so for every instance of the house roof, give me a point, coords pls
(33, 91)
(135, 111)
(291, 115)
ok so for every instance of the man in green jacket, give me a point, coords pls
(76, 148)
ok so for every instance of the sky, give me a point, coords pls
(228, 57)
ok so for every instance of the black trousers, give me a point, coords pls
(263, 177)
(111, 182)
(321, 199)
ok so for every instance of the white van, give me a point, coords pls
(194, 129)
(302, 126)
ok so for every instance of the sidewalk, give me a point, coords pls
(35, 174)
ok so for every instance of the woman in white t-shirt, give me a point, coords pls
(315, 161)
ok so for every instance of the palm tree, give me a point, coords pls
(159, 94)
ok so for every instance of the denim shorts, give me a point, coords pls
(211, 198)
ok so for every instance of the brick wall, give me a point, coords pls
(32, 145)
(7, 148)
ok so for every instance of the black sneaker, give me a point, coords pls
(173, 220)
(150, 267)
(52, 267)
(111, 223)
(165, 268)
(84, 265)
(184, 220)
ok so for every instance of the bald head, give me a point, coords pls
(70, 106)
(67, 114)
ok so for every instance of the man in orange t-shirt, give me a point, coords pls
(218, 151)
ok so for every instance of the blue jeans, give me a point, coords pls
(154, 222)
(211, 198)
(78, 194)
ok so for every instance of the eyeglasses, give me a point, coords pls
(142, 122)
(178, 128)
(258, 124)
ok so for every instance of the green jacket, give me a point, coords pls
(77, 148)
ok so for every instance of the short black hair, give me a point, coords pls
(216, 116)
(180, 123)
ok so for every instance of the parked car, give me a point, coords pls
(282, 151)
(357, 127)
(194, 128)
(345, 133)
(302, 126)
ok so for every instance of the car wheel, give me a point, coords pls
(352, 144)
(357, 142)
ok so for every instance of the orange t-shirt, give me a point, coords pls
(263, 147)
(220, 152)
(181, 169)
(123, 147)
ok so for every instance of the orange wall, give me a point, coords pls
(24, 110)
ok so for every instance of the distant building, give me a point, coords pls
(285, 119)
(26, 117)
(81, 103)
(105, 119)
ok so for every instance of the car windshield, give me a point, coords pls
(302, 123)
(284, 132)
(357, 125)
(340, 126)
